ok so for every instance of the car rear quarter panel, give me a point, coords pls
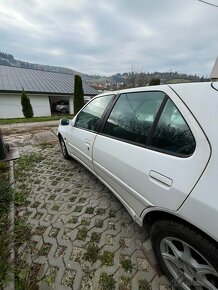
(201, 207)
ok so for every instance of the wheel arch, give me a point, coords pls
(153, 216)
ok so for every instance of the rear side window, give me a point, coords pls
(172, 133)
(89, 117)
(132, 116)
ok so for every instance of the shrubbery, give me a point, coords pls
(78, 94)
(26, 106)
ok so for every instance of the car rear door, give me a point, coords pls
(81, 135)
(147, 153)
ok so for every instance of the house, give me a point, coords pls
(214, 72)
(44, 88)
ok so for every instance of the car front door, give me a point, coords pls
(81, 134)
(147, 153)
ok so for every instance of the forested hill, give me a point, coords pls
(134, 78)
(8, 59)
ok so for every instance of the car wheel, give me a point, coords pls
(64, 148)
(188, 258)
(63, 111)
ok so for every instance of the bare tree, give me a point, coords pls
(136, 78)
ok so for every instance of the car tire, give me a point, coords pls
(63, 111)
(182, 252)
(64, 149)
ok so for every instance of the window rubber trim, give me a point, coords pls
(102, 117)
(106, 113)
(156, 120)
(150, 134)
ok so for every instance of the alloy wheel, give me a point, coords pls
(189, 268)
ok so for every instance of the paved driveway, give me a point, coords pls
(82, 235)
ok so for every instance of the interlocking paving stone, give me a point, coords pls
(69, 208)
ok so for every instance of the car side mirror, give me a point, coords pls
(64, 122)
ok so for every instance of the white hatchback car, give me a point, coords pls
(156, 149)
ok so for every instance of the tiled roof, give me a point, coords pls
(37, 81)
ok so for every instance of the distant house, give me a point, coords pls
(44, 89)
(214, 72)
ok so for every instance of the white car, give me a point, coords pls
(156, 149)
(62, 106)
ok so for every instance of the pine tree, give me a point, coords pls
(78, 94)
(26, 106)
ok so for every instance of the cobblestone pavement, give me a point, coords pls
(83, 237)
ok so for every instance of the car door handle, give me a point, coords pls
(160, 178)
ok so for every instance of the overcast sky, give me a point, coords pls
(111, 36)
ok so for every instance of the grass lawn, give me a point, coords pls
(34, 119)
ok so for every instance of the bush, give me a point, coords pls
(26, 106)
(154, 82)
(78, 94)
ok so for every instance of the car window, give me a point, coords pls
(88, 118)
(172, 132)
(133, 115)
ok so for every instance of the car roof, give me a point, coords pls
(184, 86)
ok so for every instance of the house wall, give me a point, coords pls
(10, 105)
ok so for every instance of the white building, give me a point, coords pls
(42, 87)
(214, 72)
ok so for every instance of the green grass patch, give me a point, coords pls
(3, 167)
(112, 213)
(34, 119)
(100, 211)
(89, 210)
(125, 283)
(6, 196)
(107, 258)
(78, 208)
(107, 282)
(85, 222)
(126, 264)
(25, 276)
(26, 162)
(82, 233)
(91, 253)
(45, 145)
(95, 237)
(99, 223)
(144, 285)
(20, 198)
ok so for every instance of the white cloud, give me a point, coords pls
(111, 36)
